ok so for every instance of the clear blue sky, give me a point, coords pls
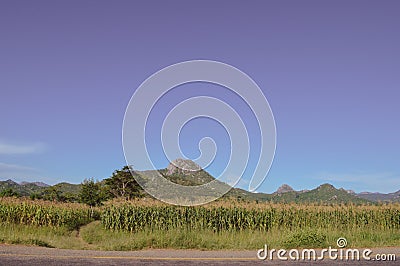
(329, 69)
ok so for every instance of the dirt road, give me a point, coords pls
(27, 255)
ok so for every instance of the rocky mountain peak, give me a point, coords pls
(39, 184)
(284, 188)
(326, 186)
(182, 166)
(11, 182)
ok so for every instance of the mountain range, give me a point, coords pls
(186, 172)
(28, 188)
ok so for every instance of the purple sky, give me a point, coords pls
(329, 69)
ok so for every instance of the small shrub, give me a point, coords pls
(305, 239)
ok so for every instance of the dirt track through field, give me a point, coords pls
(27, 255)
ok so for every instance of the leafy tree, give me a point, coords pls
(91, 193)
(52, 193)
(70, 197)
(123, 184)
(35, 196)
(9, 192)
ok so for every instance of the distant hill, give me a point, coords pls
(29, 188)
(324, 193)
(39, 184)
(284, 188)
(188, 173)
(375, 196)
(328, 193)
(65, 187)
(23, 189)
(8, 184)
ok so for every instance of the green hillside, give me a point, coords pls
(61, 191)
(325, 193)
(187, 173)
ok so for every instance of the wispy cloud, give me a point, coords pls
(5, 167)
(17, 172)
(21, 173)
(11, 149)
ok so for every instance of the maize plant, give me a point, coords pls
(43, 214)
(132, 218)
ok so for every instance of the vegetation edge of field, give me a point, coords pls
(221, 225)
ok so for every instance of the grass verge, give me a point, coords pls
(94, 236)
(59, 237)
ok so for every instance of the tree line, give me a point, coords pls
(121, 184)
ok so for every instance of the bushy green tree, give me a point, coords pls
(52, 193)
(122, 184)
(92, 193)
(35, 196)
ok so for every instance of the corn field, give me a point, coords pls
(43, 214)
(219, 216)
(132, 218)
